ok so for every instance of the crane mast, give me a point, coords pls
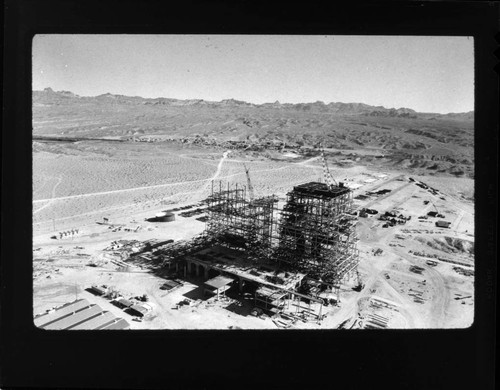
(326, 171)
(249, 183)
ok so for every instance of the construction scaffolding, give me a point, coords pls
(313, 235)
(237, 222)
(317, 234)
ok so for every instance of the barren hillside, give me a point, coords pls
(419, 143)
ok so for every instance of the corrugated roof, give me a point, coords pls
(98, 290)
(93, 323)
(218, 282)
(124, 302)
(61, 312)
(105, 325)
(141, 309)
(79, 315)
(120, 324)
(71, 320)
(171, 283)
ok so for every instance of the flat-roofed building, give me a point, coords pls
(138, 310)
(443, 224)
(218, 285)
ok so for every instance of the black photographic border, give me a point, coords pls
(409, 359)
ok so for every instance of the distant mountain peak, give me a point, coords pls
(49, 96)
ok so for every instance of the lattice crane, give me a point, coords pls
(326, 171)
(249, 183)
(439, 215)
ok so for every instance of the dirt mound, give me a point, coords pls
(449, 245)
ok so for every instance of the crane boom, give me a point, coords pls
(435, 207)
(326, 171)
(249, 183)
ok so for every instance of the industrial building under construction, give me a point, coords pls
(285, 253)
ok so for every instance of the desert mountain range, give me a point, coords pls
(429, 143)
(48, 96)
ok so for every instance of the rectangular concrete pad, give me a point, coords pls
(218, 282)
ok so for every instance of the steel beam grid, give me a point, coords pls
(316, 235)
(234, 220)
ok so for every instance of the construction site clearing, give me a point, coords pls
(324, 256)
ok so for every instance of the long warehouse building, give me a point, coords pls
(79, 315)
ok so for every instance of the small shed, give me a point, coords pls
(123, 303)
(218, 285)
(97, 290)
(443, 224)
(138, 310)
(433, 214)
(171, 285)
(165, 217)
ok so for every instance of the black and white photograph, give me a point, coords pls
(209, 181)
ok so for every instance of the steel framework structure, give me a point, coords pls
(314, 234)
(317, 234)
(240, 223)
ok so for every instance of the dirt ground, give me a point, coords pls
(416, 281)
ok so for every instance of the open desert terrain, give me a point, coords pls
(104, 165)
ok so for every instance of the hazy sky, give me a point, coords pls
(427, 74)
